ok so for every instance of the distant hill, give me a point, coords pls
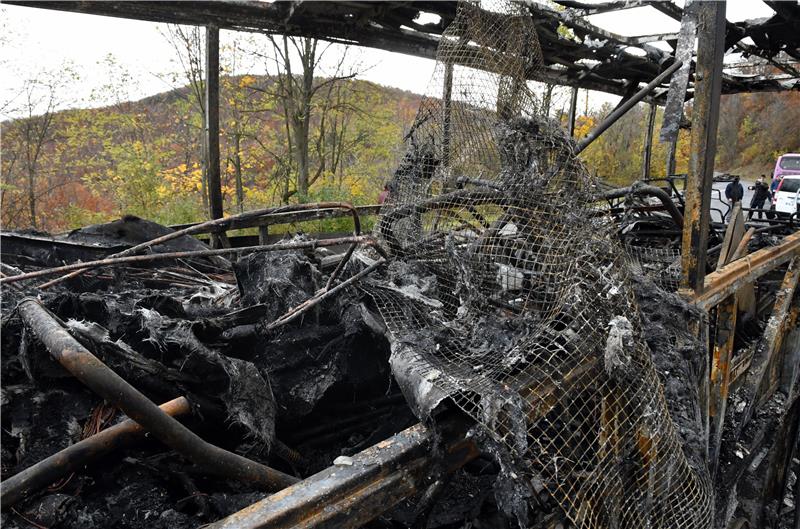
(754, 129)
(144, 157)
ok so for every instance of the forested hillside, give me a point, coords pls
(68, 168)
(754, 129)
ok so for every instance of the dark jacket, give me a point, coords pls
(734, 191)
(761, 193)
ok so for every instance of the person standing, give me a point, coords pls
(773, 186)
(734, 192)
(760, 195)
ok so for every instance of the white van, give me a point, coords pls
(786, 200)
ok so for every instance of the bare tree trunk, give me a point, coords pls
(302, 117)
(32, 197)
(298, 94)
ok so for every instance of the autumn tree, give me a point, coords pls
(237, 111)
(188, 43)
(28, 142)
(302, 96)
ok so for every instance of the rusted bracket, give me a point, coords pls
(728, 279)
(358, 489)
(720, 375)
(764, 370)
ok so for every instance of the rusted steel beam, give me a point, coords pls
(87, 368)
(349, 495)
(623, 108)
(776, 330)
(77, 456)
(720, 375)
(705, 118)
(728, 279)
(719, 383)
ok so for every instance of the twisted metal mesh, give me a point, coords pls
(511, 290)
(662, 265)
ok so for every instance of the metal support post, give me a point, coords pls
(648, 142)
(705, 118)
(212, 128)
(573, 107)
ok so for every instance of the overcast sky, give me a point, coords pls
(37, 40)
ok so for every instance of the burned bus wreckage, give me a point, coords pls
(514, 343)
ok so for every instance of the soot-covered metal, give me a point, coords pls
(508, 349)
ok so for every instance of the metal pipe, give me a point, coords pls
(112, 261)
(75, 457)
(626, 106)
(99, 378)
(217, 224)
(648, 190)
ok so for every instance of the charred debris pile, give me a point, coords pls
(506, 349)
(278, 361)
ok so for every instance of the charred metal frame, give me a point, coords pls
(346, 496)
(211, 132)
(369, 484)
(705, 118)
(256, 217)
(147, 258)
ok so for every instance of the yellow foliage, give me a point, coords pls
(246, 81)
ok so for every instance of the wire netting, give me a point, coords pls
(512, 290)
(662, 265)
